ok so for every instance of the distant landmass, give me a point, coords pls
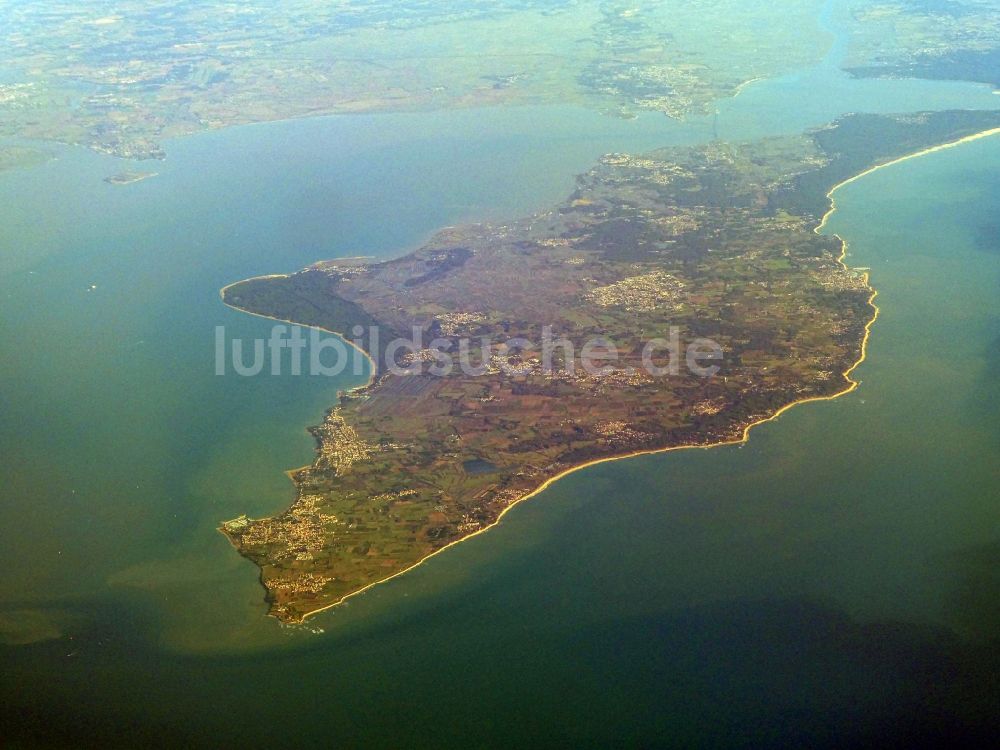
(123, 82)
(956, 40)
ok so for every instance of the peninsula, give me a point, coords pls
(713, 244)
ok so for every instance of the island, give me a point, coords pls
(711, 252)
(127, 178)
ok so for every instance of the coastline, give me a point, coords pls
(849, 387)
(366, 355)
(745, 437)
(923, 152)
(373, 368)
(739, 89)
(371, 378)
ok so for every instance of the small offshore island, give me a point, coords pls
(718, 240)
(127, 178)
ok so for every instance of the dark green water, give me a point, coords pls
(829, 581)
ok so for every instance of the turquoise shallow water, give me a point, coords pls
(828, 579)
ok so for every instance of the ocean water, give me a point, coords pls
(832, 578)
(122, 450)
